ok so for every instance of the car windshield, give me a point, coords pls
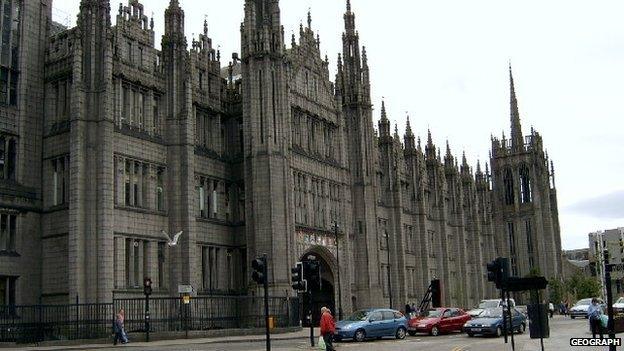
(358, 316)
(491, 313)
(488, 304)
(620, 300)
(583, 302)
(434, 313)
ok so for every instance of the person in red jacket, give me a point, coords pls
(328, 328)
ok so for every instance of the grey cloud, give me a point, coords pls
(608, 206)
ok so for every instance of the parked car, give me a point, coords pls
(580, 308)
(618, 306)
(490, 322)
(372, 323)
(491, 303)
(439, 320)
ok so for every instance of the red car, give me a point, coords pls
(439, 320)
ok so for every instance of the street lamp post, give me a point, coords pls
(338, 271)
(389, 280)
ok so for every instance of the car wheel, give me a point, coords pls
(470, 334)
(360, 335)
(499, 332)
(400, 334)
(411, 333)
(434, 331)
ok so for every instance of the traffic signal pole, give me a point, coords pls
(511, 327)
(609, 299)
(266, 302)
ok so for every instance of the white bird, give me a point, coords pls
(174, 241)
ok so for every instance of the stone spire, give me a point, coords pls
(516, 128)
(384, 123)
(409, 136)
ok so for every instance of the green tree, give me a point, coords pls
(556, 290)
(582, 287)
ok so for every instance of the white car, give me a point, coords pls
(618, 306)
(580, 308)
(492, 303)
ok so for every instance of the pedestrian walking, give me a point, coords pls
(118, 328)
(594, 312)
(551, 309)
(408, 310)
(328, 328)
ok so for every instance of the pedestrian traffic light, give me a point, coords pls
(259, 270)
(298, 283)
(436, 293)
(147, 286)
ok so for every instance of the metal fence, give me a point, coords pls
(28, 324)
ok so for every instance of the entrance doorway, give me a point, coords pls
(320, 295)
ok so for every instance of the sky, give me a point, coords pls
(445, 63)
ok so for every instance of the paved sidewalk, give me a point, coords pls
(300, 335)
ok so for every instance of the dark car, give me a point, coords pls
(439, 320)
(372, 323)
(490, 322)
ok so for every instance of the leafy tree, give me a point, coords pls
(556, 290)
(582, 287)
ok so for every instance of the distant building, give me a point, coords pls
(611, 240)
(577, 254)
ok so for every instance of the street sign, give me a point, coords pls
(185, 289)
(619, 267)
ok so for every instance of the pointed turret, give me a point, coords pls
(409, 136)
(516, 128)
(448, 159)
(430, 149)
(384, 123)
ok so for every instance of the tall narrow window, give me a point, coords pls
(12, 158)
(157, 126)
(215, 207)
(525, 184)
(161, 265)
(127, 188)
(2, 157)
(160, 196)
(129, 52)
(509, 187)
(9, 51)
(529, 234)
(512, 248)
(202, 198)
(135, 184)
(59, 181)
(4, 232)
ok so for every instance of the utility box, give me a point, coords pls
(538, 316)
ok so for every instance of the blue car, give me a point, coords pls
(372, 323)
(490, 322)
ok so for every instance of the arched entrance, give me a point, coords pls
(321, 295)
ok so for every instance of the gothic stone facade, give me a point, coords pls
(106, 141)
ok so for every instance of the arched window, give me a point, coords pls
(525, 185)
(509, 187)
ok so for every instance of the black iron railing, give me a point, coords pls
(29, 324)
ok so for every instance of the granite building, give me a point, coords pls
(106, 141)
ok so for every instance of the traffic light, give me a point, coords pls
(498, 271)
(296, 276)
(312, 273)
(259, 270)
(147, 286)
(436, 293)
